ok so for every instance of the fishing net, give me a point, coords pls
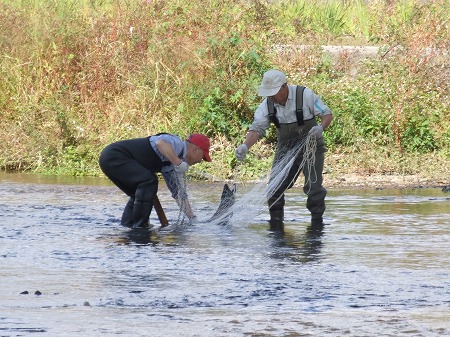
(245, 207)
(249, 205)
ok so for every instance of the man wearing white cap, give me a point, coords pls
(294, 121)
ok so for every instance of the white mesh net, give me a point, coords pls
(258, 196)
(247, 206)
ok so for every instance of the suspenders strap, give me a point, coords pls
(298, 107)
(299, 104)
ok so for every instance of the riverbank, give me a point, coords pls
(378, 181)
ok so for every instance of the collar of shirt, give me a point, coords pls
(286, 113)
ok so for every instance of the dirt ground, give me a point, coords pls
(384, 181)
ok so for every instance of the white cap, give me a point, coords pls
(271, 83)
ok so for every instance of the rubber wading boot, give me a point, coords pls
(276, 220)
(143, 203)
(141, 214)
(316, 219)
(127, 215)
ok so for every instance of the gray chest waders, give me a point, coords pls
(288, 137)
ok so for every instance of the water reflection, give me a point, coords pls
(305, 247)
(139, 236)
(153, 236)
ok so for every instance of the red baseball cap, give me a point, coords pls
(202, 142)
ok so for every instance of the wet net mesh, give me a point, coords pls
(258, 196)
(251, 203)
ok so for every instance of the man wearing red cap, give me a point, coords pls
(294, 121)
(132, 166)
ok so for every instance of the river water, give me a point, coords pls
(380, 267)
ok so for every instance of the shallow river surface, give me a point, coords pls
(380, 267)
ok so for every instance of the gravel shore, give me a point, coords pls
(384, 181)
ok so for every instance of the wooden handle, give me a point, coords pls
(159, 210)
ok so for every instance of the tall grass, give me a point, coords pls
(78, 74)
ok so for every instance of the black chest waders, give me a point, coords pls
(132, 165)
(146, 191)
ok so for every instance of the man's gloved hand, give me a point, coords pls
(241, 151)
(316, 131)
(181, 168)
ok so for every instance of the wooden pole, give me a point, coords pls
(159, 210)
